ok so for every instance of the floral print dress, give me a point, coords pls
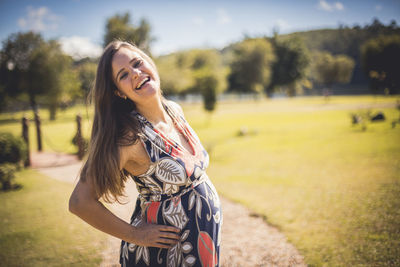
(176, 191)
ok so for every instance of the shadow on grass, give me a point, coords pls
(14, 187)
(9, 120)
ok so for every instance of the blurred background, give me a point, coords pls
(297, 103)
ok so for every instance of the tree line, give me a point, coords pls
(34, 70)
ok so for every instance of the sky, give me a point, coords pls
(79, 25)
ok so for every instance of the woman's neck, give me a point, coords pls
(153, 111)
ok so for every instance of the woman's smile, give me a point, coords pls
(142, 83)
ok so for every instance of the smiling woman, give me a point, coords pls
(138, 134)
(132, 73)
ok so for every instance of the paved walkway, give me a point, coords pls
(246, 240)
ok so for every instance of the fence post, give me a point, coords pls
(25, 135)
(79, 139)
(38, 131)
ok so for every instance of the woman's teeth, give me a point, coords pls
(142, 82)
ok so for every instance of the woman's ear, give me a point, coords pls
(118, 93)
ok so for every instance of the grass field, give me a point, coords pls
(36, 228)
(333, 189)
(330, 187)
(56, 135)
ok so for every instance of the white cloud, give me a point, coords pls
(223, 17)
(80, 47)
(39, 19)
(324, 5)
(282, 24)
(378, 7)
(198, 21)
(339, 6)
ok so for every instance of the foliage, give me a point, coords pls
(61, 83)
(16, 60)
(12, 149)
(85, 142)
(290, 63)
(175, 76)
(29, 65)
(12, 153)
(120, 27)
(328, 69)
(7, 175)
(251, 66)
(179, 71)
(207, 84)
(380, 58)
(4, 98)
(86, 72)
(346, 40)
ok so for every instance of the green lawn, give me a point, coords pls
(333, 189)
(36, 228)
(56, 135)
(330, 187)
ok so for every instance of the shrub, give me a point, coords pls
(7, 175)
(12, 149)
(85, 143)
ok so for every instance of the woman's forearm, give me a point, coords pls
(96, 214)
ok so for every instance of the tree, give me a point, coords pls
(175, 73)
(86, 73)
(61, 84)
(206, 66)
(17, 74)
(380, 60)
(347, 41)
(29, 65)
(179, 71)
(290, 64)
(251, 66)
(120, 27)
(328, 69)
(206, 83)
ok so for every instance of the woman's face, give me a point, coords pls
(134, 76)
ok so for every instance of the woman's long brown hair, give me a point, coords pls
(113, 126)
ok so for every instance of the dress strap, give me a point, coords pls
(157, 141)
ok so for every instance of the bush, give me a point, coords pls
(12, 149)
(7, 175)
(85, 143)
(207, 85)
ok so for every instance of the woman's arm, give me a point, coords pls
(85, 204)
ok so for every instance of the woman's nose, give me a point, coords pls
(135, 72)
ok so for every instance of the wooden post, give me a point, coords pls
(79, 139)
(38, 131)
(25, 135)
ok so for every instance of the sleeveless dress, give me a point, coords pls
(176, 191)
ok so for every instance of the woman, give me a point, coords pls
(139, 134)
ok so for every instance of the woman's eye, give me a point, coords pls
(137, 63)
(123, 76)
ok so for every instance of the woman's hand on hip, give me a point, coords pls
(155, 235)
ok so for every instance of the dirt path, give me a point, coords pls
(246, 240)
